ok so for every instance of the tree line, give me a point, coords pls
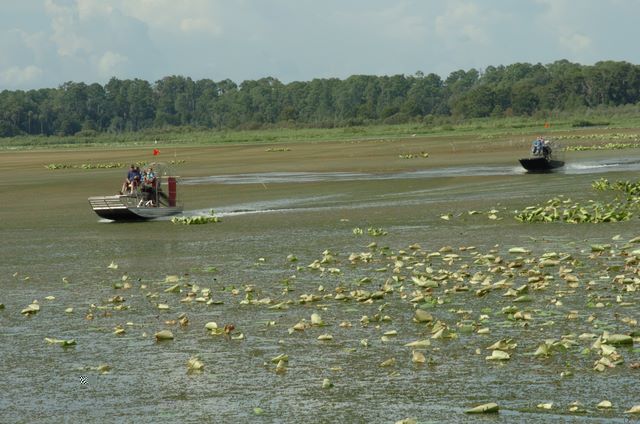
(520, 89)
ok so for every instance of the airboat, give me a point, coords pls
(148, 200)
(544, 158)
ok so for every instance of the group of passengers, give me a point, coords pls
(541, 147)
(143, 181)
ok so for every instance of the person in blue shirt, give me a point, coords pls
(537, 147)
(129, 183)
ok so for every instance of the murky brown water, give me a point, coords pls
(271, 208)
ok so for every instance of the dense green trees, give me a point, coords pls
(520, 89)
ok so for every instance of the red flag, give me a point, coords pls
(156, 152)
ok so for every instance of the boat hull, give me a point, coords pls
(540, 164)
(124, 208)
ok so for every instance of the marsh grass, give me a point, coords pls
(484, 128)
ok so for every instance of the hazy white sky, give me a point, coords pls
(44, 43)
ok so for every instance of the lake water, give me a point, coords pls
(54, 245)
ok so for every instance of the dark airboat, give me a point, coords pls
(545, 157)
(155, 199)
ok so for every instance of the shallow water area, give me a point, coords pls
(284, 251)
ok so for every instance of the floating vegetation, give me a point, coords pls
(374, 232)
(110, 165)
(397, 311)
(565, 210)
(107, 165)
(164, 335)
(615, 141)
(327, 384)
(194, 364)
(413, 155)
(32, 309)
(486, 408)
(60, 342)
(607, 146)
(196, 220)
(632, 137)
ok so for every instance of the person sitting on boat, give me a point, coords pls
(546, 149)
(128, 184)
(135, 183)
(537, 147)
(148, 187)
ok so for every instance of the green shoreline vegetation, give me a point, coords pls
(499, 100)
(611, 136)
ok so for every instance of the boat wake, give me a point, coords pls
(608, 165)
(306, 177)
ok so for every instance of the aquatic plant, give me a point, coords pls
(374, 232)
(565, 210)
(110, 165)
(196, 220)
(607, 146)
(393, 311)
(413, 155)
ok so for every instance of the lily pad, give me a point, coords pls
(60, 342)
(418, 357)
(634, 410)
(422, 316)
(498, 355)
(388, 363)
(173, 289)
(486, 408)
(316, 319)
(194, 364)
(419, 343)
(31, 309)
(619, 339)
(164, 335)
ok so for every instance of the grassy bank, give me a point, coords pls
(485, 128)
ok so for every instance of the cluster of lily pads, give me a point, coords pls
(565, 210)
(633, 137)
(197, 219)
(107, 165)
(110, 165)
(607, 146)
(413, 155)
(629, 188)
(372, 231)
(616, 141)
(278, 149)
(483, 298)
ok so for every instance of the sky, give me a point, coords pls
(45, 43)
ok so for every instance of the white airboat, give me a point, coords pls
(144, 202)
